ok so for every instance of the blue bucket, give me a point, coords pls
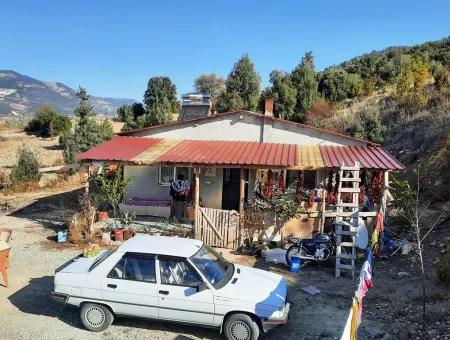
(296, 261)
(62, 236)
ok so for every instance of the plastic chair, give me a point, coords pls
(4, 261)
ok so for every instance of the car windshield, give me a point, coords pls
(103, 256)
(213, 266)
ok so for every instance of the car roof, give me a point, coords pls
(161, 245)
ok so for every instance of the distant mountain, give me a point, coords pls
(21, 95)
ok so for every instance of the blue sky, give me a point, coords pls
(114, 47)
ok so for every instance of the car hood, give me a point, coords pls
(256, 286)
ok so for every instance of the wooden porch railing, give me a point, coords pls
(218, 228)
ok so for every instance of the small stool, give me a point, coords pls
(4, 261)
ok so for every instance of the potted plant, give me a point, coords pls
(190, 211)
(127, 219)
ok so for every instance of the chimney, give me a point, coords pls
(268, 107)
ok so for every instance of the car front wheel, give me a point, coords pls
(96, 318)
(241, 327)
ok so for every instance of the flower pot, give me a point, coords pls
(127, 234)
(118, 234)
(190, 213)
(102, 216)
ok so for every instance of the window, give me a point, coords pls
(135, 267)
(168, 174)
(309, 179)
(178, 273)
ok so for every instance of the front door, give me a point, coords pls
(231, 188)
(178, 298)
(130, 287)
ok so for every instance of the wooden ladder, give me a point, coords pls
(346, 211)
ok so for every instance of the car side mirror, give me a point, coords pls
(201, 287)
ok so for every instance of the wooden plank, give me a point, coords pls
(345, 266)
(348, 204)
(197, 192)
(354, 190)
(348, 244)
(347, 256)
(347, 233)
(202, 210)
(345, 179)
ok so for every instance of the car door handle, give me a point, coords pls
(164, 292)
(109, 285)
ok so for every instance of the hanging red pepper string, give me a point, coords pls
(281, 182)
(376, 187)
(299, 189)
(362, 192)
(311, 198)
(269, 184)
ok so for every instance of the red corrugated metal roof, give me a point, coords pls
(142, 150)
(231, 153)
(119, 149)
(368, 157)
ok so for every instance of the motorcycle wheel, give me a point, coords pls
(292, 250)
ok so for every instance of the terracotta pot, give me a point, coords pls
(118, 234)
(127, 234)
(102, 216)
(190, 213)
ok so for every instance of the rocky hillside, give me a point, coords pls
(21, 95)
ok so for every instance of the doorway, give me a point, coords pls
(230, 188)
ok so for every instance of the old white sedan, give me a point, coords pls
(173, 279)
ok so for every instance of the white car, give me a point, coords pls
(173, 279)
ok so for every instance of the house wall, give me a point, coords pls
(211, 189)
(145, 183)
(247, 127)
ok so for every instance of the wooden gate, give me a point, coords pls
(218, 228)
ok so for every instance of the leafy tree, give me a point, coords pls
(410, 89)
(370, 126)
(26, 168)
(305, 82)
(48, 123)
(108, 188)
(212, 84)
(242, 87)
(87, 133)
(283, 93)
(160, 100)
(441, 80)
(336, 84)
(131, 116)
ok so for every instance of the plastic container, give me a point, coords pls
(296, 262)
(62, 236)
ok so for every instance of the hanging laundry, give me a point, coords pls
(180, 188)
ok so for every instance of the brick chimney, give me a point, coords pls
(268, 107)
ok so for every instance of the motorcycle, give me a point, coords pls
(318, 248)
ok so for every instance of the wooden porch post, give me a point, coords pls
(196, 201)
(241, 197)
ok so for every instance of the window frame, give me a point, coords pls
(135, 255)
(179, 259)
(174, 174)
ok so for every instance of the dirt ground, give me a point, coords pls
(392, 308)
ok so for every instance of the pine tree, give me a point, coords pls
(242, 87)
(305, 82)
(160, 100)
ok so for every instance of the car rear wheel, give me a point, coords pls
(96, 318)
(241, 327)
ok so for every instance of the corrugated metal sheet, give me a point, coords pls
(368, 156)
(232, 153)
(119, 149)
(139, 150)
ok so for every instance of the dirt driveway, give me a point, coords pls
(391, 311)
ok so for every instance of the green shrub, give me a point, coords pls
(26, 168)
(443, 269)
(48, 123)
